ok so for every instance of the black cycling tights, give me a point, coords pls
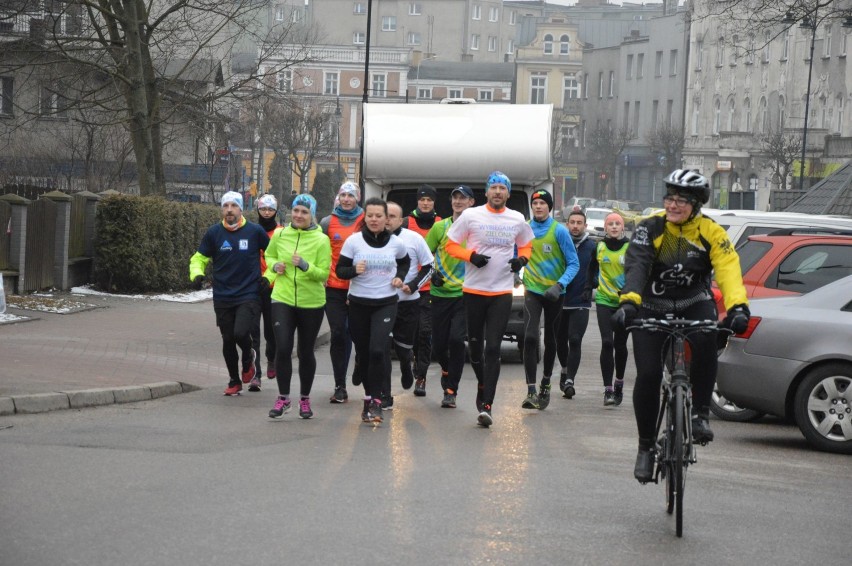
(648, 350)
(613, 345)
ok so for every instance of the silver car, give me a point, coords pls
(795, 361)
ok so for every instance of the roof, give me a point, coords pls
(459, 71)
(194, 70)
(832, 195)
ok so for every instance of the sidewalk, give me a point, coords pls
(125, 350)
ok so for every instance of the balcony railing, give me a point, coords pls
(343, 54)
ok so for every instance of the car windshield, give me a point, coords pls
(750, 253)
(596, 214)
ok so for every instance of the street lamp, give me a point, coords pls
(338, 116)
(809, 21)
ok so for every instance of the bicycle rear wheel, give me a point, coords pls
(678, 457)
(666, 456)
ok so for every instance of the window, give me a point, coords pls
(280, 13)
(720, 51)
(673, 62)
(767, 45)
(811, 267)
(782, 113)
(413, 38)
(332, 82)
(750, 50)
(844, 36)
(564, 45)
(670, 113)
(455, 93)
(296, 15)
(359, 38)
(388, 23)
(424, 92)
(785, 50)
(611, 84)
(474, 42)
(6, 85)
(717, 117)
(733, 58)
(658, 64)
(359, 8)
(640, 65)
(379, 85)
(510, 48)
(415, 9)
(285, 80)
(476, 12)
(696, 116)
(630, 66)
(585, 92)
(600, 85)
(493, 14)
(538, 88)
(583, 134)
(626, 118)
(839, 125)
(731, 108)
(52, 104)
(548, 44)
(655, 113)
(570, 89)
(513, 18)
(636, 107)
(762, 115)
(826, 41)
(492, 43)
(486, 94)
(699, 54)
(746, 127)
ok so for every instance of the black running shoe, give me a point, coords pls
(644, 469)
(376, 411)
(530, 401)
(387, 402)
(609, 398)
(449, 401)
(339, 396)
(407, 375)
(618, 396)
(701, 432)
(543, 396)
(365, 414)
(420, 387)
(568, 391)
(484, 419)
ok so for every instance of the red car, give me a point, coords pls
(791, 262)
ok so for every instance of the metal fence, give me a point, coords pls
(40, 246)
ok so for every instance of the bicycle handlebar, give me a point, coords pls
(673, 324)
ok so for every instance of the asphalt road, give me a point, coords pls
(199, 478)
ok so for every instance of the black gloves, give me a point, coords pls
(198, 282)
(479, 260)
(516, 263)
(625, 315)
(553, 292)
(437, 279)
(737, 319)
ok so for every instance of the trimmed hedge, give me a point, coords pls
(143, 244)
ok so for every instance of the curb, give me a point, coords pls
(44, 402)
(61, 400)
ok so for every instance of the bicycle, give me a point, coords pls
(675, 449)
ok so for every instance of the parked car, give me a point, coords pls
(595, 221)
(787, 262)
(794, 361)
(741, 224)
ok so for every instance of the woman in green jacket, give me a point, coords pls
(298, 260)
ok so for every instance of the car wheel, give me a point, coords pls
(728, 411)
(823, 407)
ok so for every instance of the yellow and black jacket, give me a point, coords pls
(669, 266)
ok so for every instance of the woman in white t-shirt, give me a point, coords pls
(375, 261)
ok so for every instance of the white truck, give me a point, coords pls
(445, 145)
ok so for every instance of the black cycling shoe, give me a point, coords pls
(701, 432)
(644, 469)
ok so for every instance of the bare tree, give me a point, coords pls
(149, 65)
(303, 130)
(666, 143)
(781, 151)
(603, 147)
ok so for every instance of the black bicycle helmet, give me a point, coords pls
(689, 181)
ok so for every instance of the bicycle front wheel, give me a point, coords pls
(678, 463)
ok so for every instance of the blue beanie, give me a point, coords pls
(307, 201)
(498, 178)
